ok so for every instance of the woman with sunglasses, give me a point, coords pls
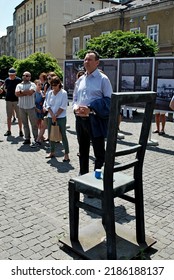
(46, 89)
(56, 106)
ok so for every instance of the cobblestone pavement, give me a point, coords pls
(34, 194)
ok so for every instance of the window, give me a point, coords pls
(153, 32)
(31, 34)
(31, 13)
(37, 31)
(22, 37)
(44, 7)
(44, 29)
(37, 10)
(28, 16)
(76, 43)
(85, 40)
(28, 35)
(40, 30)
(41, 8)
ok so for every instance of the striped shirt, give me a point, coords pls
(26, 102)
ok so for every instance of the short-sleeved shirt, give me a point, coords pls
(10, 86)
(26, 102)
(60, 100)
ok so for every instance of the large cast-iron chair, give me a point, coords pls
(115, 183)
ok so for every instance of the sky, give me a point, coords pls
(7, 9)
(6, 14)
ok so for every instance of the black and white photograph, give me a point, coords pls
(144, 83)
(165, 92)
(127, 83)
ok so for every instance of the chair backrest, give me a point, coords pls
(117, 100)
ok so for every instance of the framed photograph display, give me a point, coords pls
(71, 67)
(131, 74)
(110, 68)
(164, 82)
(135, 74)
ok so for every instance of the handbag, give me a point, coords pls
(171, 104)
(55, 134)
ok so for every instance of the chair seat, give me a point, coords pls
(89, 185)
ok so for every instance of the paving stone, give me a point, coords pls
(34, 211)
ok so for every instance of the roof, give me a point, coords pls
(127, 5)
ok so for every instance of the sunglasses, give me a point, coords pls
(54, 85)
(26, 76)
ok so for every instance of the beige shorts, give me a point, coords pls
(10, 107)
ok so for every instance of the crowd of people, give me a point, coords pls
(37, 105)
(42, 104)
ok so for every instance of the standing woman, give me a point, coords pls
(56, 106)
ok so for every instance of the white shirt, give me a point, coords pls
(26, 102)
(54, 102)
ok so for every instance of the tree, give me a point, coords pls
(119, 44)
(6, 62)
(37, 63)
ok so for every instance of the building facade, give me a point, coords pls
(152, 17)
(40, 24)
(62, 27)
(10, 41)
(3, 45)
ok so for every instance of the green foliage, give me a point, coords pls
(119, 44)
(37, 63)
(6, 62)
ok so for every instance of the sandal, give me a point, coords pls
(66, 160)
(161, 132)
(50, 156)
(156, 131)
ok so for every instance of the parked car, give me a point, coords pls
(2, 91)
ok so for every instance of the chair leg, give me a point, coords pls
(108, 221)
(103, 214)
(73, 212)
(139, 213)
